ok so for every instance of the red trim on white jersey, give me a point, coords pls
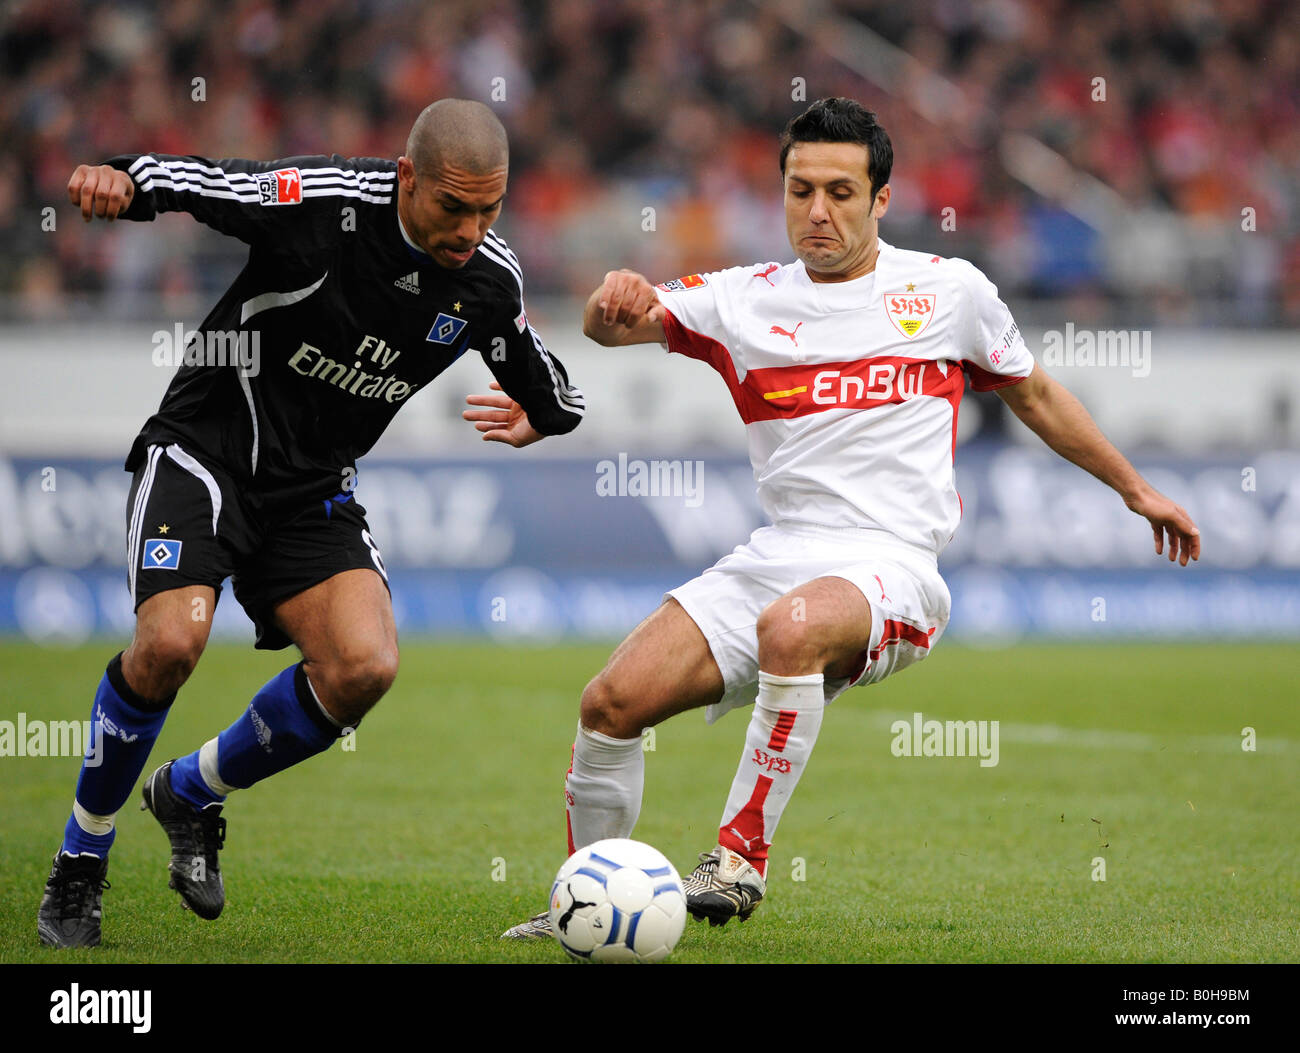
(893, 633)
(884, 351)
(784, 392)
(982, 380)
(696, 345)
(896, 632)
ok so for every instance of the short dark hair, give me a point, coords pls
(462, 132)
(842, 120)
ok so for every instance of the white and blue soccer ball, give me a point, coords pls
(618, 900)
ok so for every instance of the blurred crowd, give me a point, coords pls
(643, 134)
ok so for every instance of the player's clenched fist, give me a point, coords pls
(626, 297)
(100, 190)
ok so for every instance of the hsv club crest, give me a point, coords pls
(910, 312)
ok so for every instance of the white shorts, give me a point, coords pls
(909, 601)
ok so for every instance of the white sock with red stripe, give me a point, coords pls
(782, 732)
(603, 787)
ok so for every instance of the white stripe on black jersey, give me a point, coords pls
(508, 257)
(347, 342)
(375, 186)
(499, 243)
(498, 258)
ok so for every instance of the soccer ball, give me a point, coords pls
(618, 900)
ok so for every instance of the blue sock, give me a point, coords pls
(123, 728)
(284, 724)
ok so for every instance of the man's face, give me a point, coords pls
(448, 211)
(830, 216)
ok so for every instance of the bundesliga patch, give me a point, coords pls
(910, 312)
(281, 187)
(161, 554)
(691, 281)
(445, 329)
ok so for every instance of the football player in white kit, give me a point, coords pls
(847, 368)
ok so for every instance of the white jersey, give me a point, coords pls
(849, 390)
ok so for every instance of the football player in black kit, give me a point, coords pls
(366, 278)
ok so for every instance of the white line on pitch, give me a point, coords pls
(1134, 741)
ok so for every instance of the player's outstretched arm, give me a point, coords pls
(230, 195)
(624, 310)
(100, 190)
(1059, 419)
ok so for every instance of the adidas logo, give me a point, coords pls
(260, 729)
(409, 282)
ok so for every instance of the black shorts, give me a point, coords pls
(188, 524)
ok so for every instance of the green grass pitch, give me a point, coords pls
(445, 825)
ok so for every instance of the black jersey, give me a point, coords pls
(335, 321)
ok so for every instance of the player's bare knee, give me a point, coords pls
(349, 687)
(788, 643)
(608, 710)
(158, 662)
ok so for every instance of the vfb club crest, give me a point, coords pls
(910, 312)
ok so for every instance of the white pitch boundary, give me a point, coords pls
(1099, 738)
(1052, 735)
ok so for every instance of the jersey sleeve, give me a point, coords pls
(522, 365)
(995, 354)
(250, 200)
(699, 323)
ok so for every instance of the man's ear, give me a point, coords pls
(406, 173)
(881, 205)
